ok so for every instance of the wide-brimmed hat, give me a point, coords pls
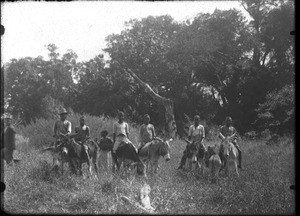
(63, 111)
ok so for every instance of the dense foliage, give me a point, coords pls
(214, 65)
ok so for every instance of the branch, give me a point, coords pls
(265, 56)
(149, 90)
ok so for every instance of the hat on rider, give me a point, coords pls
(63, 111)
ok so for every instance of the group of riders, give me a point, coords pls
(62, 128)
(196, 135)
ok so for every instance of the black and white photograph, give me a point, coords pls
(148, 107)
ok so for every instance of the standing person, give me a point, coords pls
(196, 135)
(120, 132)
(9, 140)
(106, 145)
(227, 130)
(62, 126)
(147, 132)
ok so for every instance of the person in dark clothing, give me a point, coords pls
(9, 140)
(106, 143)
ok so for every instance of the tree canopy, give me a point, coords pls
(215, 65)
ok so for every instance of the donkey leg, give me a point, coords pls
(212, 171)
(201, 165)
(95, 163)
(80, 168)
(226, 170)
(90, 166)
(213, 176)
(155, 166)
(236, 169)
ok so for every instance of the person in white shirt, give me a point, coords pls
(196, 135)
(120, 132)
(62, 127)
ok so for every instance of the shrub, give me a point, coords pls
(277, 113)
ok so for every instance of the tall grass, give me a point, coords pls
(263, 187)
(40, 132)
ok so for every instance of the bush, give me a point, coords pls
(277, 113)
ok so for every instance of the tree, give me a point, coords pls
(211, 53)
(273, 56)
(277, 113)
(93, 87)
(23, 87)
(28, 80)
(50, 107)
(141, 47)
(170, 124)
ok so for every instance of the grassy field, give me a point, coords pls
(263, 187)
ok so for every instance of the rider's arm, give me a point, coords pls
(153, 132)
(114, 132)
(234, 131)
(203, 132)
(235, 134)
(190, 133)
(141, 129)
(87, 131)
(221, 135)
(76, 132)
(127, 130)
(69, 128)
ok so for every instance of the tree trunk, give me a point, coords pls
(170, 125)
